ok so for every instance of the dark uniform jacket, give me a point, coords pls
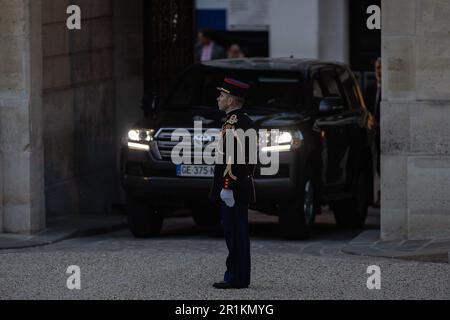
(230, 174)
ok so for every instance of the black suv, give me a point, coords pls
(327, 156)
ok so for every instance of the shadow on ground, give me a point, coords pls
(266, 227)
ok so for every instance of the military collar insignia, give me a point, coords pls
(233, 119)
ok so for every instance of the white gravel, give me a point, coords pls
(116, 266)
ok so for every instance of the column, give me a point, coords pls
(21, 148)
(415, 117)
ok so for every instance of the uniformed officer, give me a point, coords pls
(233, 186)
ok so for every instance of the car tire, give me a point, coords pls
(206, 216)
(352, 213)
(296, 217)
(144, 220)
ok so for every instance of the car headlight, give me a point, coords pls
(284, 138)
(139, 139)
(142, 135)
(133, 135)
(282, 141)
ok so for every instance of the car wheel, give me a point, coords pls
(144, 220)
(206, 216)
(353, 213)
(296, 218)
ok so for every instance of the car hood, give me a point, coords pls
(216, 118)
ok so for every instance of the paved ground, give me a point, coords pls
(63, 228)
(185, 260)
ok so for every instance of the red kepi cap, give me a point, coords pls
(234, 87)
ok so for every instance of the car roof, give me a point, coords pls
(276, 64)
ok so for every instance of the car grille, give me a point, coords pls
(165, 144)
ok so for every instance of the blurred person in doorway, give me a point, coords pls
(373, 99)
(206, 49)
(235, 52)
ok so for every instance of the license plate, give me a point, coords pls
(195, 171)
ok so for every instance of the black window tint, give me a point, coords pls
(279, 89)
(317, 90)
(351, 89)
(331, 85)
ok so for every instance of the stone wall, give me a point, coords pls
(21, 148)
(66, 100)
(415, 118)
(128, 67)
(78, 108)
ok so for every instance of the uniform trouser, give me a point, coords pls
(235, 225)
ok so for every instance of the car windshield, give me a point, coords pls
(274, 90)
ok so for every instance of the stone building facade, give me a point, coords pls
(67, 98)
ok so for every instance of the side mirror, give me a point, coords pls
(331, 105)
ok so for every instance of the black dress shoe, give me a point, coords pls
(226, 285)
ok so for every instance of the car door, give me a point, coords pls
(360, 125)
(338, 130)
